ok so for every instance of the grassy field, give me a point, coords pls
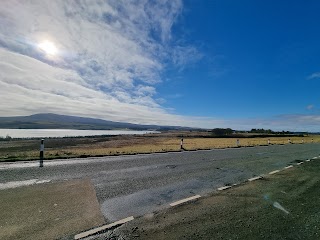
(116, 145)
(281, 206)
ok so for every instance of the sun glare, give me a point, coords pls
(48, 47)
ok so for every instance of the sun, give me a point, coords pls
(48, 47)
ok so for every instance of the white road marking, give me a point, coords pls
(49, 163)
(223, 188)
(290, 166)
(273, 172)
(102, 228)
(43, 181)
(184, 200)
(299, 163)
(16, 184)
(308, 160)
(254, 178)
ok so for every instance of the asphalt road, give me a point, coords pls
(135, 185)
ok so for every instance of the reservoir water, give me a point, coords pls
(46, 133)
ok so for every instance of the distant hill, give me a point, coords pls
(55, 121)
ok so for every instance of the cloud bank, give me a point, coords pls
(110, 57)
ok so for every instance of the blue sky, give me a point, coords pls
(238, 64)
(257, 58)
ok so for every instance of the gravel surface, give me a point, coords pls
(136, 185)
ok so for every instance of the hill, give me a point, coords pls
(56, 121)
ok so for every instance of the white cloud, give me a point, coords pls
(290, 122)
(184, 55)
(109, 58)
(310, 107)
(314, 75)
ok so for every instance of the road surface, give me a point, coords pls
(139, 184)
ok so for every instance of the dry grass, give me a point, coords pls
(20, 150)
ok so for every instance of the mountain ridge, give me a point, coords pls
(57, 121)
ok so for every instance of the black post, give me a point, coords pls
(41, 152)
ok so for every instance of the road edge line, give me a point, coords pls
(184, 200)
(102, 228)
(254, 178)
(223, 188)
(274, 172)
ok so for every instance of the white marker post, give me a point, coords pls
(181, 144)
(238, 142)
(289, 141)
(41, 152)
(268, 141)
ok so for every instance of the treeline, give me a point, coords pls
(267, 131)
(228, 132)
(222, 131)
(6, 138)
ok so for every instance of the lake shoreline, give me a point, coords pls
(63, 133)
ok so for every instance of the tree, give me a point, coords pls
(222, 131)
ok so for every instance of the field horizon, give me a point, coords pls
(98, 146)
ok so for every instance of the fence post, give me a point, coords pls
(41, 152)
(181, 144)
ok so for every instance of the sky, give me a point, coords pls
(210, 64)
